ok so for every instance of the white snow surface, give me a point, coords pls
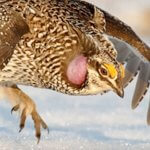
(79, 123)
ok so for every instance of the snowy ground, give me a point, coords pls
(88, 123)
(79, 123)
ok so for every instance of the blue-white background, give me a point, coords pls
(86, 123)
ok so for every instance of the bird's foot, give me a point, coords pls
(27, 107)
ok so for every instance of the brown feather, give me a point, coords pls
(12, 27)
(118, 29)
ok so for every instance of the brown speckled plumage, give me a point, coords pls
(42, 37)
(58, 32)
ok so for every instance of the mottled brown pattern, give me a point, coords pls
(58, 32)
(39, 38)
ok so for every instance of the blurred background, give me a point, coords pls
(136, 13)
(91, 122)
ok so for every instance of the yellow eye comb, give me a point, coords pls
(122, 71)
(112, 70)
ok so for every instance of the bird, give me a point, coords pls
(70, 46)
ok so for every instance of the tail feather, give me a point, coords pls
(131, 69)
(141, 85)
(148, 114)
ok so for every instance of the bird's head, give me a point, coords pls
(96, 74)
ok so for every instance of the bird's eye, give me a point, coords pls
(103, 71)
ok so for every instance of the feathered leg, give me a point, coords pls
(25, 105)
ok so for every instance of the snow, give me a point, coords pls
(92, 122)
(79, 123)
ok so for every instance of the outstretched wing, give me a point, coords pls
(12, 27)
(118, 29)
(137, 56)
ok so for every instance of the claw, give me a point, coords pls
(36, 120)
(27, 107)
(23, 119)
(38, 138)
(44, 125)
(15, 108)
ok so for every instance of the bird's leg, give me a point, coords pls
(25, 105)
